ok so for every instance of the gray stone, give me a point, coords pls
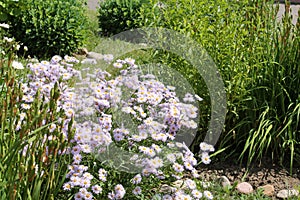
(95, 55)
(268, 190)
(284, 194)
(180, 184)
(224, 181)
(89, 61)
(167, 189)
(294, 12)
(244, 188)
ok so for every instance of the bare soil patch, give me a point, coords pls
(257, 175)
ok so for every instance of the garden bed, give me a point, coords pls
(257, 175)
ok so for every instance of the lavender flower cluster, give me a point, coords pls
(41, 81)
(157, 115)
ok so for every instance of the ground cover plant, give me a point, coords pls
(99, 166)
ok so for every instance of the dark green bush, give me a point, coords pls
(49, 27)
(10, 8)
(116, 16)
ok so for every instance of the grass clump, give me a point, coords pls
(258, 58)
(34, 130)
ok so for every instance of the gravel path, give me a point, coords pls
(93, 4)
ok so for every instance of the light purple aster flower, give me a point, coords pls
(137, 179)
(111, 196)
(205, 158)
(177, 167)
(96, 189)
(77, 158)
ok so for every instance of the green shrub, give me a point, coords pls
(10, 8)
(116, 16)
(50, 27)
(259, 62)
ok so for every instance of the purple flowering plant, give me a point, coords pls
(45, 122)
(102, 137)
(125, 146)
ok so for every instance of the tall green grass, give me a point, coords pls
(276, 93)
(258, 58)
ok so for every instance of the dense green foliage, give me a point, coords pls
(9, 9)
(259, 62)
(116, 16)
(50, 27)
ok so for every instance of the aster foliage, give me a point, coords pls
(125, 146)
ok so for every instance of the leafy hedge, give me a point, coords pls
(50, 27)
(116, 16)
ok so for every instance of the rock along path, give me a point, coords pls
(93, 4)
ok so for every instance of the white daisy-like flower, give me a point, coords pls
(96, 189)
(129, 61)
(197, 194)
(198, 98)
(206, 147)
(25, 106)
(205, 158)
(4, 25)
(137, 190)
(17, 65)
(118, 65)
(8, 39)
(208, 194)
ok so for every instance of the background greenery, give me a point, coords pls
(48, 27)
(259, 62)
(116, 16)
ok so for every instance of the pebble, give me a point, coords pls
(224, 181)
(167, 189)
(268, 190)
(244, 188)
(180, 184)
(89, 61)
(284, 194)
(95, 55)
